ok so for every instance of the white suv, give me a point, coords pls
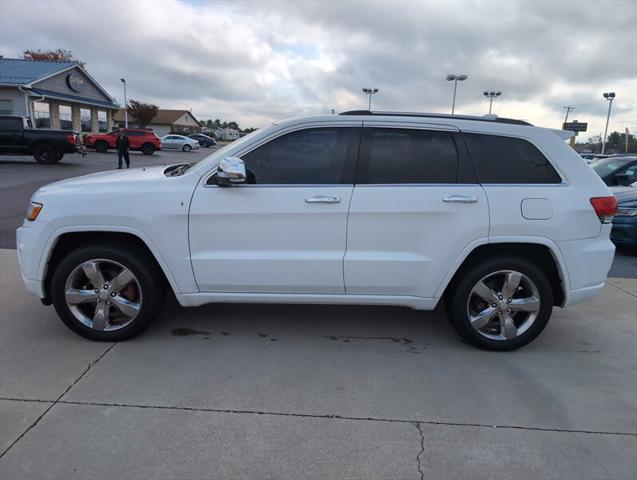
(501, 219)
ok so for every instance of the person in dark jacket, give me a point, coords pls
(122, 144)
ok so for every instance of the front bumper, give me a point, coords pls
(32, 239)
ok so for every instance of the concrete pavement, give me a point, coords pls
(293, 391)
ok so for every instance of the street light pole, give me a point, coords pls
(370, 92)
(491, 95)
(125, 104)
(610, 96)
(455, 79)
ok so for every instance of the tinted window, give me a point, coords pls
(133, 133)
(607, 166)
(508, 160)
(390, 155)
(10, 124)
(312, 156)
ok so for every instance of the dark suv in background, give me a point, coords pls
(141, 139)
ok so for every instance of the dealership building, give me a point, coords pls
(59, 95)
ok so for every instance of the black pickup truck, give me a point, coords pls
(18, 137)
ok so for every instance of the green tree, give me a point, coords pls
(233, 125)
(144, 112)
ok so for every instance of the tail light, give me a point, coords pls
(71, 138)
(605, 208)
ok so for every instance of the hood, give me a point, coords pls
(111, 180)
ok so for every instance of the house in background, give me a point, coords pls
(54, 95)
(166, 121)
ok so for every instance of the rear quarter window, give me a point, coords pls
(500, 159)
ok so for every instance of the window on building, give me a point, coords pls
(41, 115)
(66, 117)
(101, 121)
(508, 160)
(85, 119)
(390, 155)
(6, 107)
(312, 156)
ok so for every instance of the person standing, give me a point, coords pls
(123, 145)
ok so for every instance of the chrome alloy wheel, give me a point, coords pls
(503, 305)
(103, 295)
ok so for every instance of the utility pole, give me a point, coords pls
(568, 110)
(627, 136)
(610, 96)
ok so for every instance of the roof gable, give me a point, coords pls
(163, 117)
(15, 71)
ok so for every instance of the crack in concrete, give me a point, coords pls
(620, 288)
(324, 416)
(422, 450)
(58, 400)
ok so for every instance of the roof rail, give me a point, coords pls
(486, 118)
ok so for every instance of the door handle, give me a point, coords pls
(322, 199)
(460, 199)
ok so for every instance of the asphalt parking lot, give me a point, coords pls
(292, 391)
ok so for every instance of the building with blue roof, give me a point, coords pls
(55, 95)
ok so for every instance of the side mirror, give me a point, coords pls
(231, 171)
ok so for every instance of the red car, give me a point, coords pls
(141, 139)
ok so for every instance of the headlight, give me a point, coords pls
(33, 210)
(626, 212)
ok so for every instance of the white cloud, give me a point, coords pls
(258, 61)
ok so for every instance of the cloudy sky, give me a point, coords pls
(254, 62)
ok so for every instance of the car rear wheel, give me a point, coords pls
(148, 149)
(46, 154)
(501, 304)
(101, 146)
(186, 148)
(107, 293)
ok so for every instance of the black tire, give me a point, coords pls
(186, 148)
(460, 291)
(149, 276)
(101, 146)
(148, 149)
(60, 155)
(45, 154)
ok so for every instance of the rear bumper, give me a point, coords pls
(588, 262)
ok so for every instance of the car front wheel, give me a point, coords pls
(501, 304)
(186, 148)
(107, 293)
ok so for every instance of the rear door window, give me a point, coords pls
(401, 155)
(500, 159)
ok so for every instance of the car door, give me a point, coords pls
(285, 230)
(416, 205)
(12, 135)
(168, 142)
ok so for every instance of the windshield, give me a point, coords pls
(606, 166)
